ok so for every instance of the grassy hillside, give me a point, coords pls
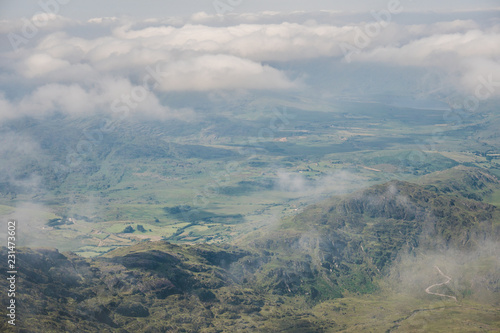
(375, 260)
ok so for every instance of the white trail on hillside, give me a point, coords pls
(448, 279)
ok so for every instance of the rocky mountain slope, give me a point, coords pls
(288, 277)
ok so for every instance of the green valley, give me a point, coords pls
(357, 262)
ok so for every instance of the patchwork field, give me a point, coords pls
(236, 175)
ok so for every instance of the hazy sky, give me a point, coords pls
(85, 9)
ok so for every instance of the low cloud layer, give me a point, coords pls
(331, 184)
(79, 67)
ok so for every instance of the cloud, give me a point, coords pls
(31, 229)
(292, 182)
(116, 96)
(258, 42)
(72, 98)
(74, 66)
(467, 57)
(472, 272)
(40, 64)
(436, 50)
(6, 107)
(23, 152)
(217, 72)
(334, 183)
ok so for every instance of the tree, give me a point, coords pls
(128, 230)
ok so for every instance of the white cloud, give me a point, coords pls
(40, 64)
(214, 72)
(6, 108)
(116, 96)
(333, 183)
(258, 42)
(103, 20)
(75, 70)
(292, 182)
(465, 56)
(437, 49)
(70, 98)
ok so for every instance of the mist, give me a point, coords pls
(475, 274)
(325, 185)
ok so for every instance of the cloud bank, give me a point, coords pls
(79, 67)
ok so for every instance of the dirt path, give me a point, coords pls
(448, 279)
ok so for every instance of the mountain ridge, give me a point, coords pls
(332, 250)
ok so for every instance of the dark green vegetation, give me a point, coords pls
(352, 263)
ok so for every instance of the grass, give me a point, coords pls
(468, 317)
(388, 312)
(494, 198)
(462, 157)
(89, 254)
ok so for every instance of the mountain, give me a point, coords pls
(345, 244)
(469, 182)
(314, 272)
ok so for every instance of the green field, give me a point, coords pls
(132, 176)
